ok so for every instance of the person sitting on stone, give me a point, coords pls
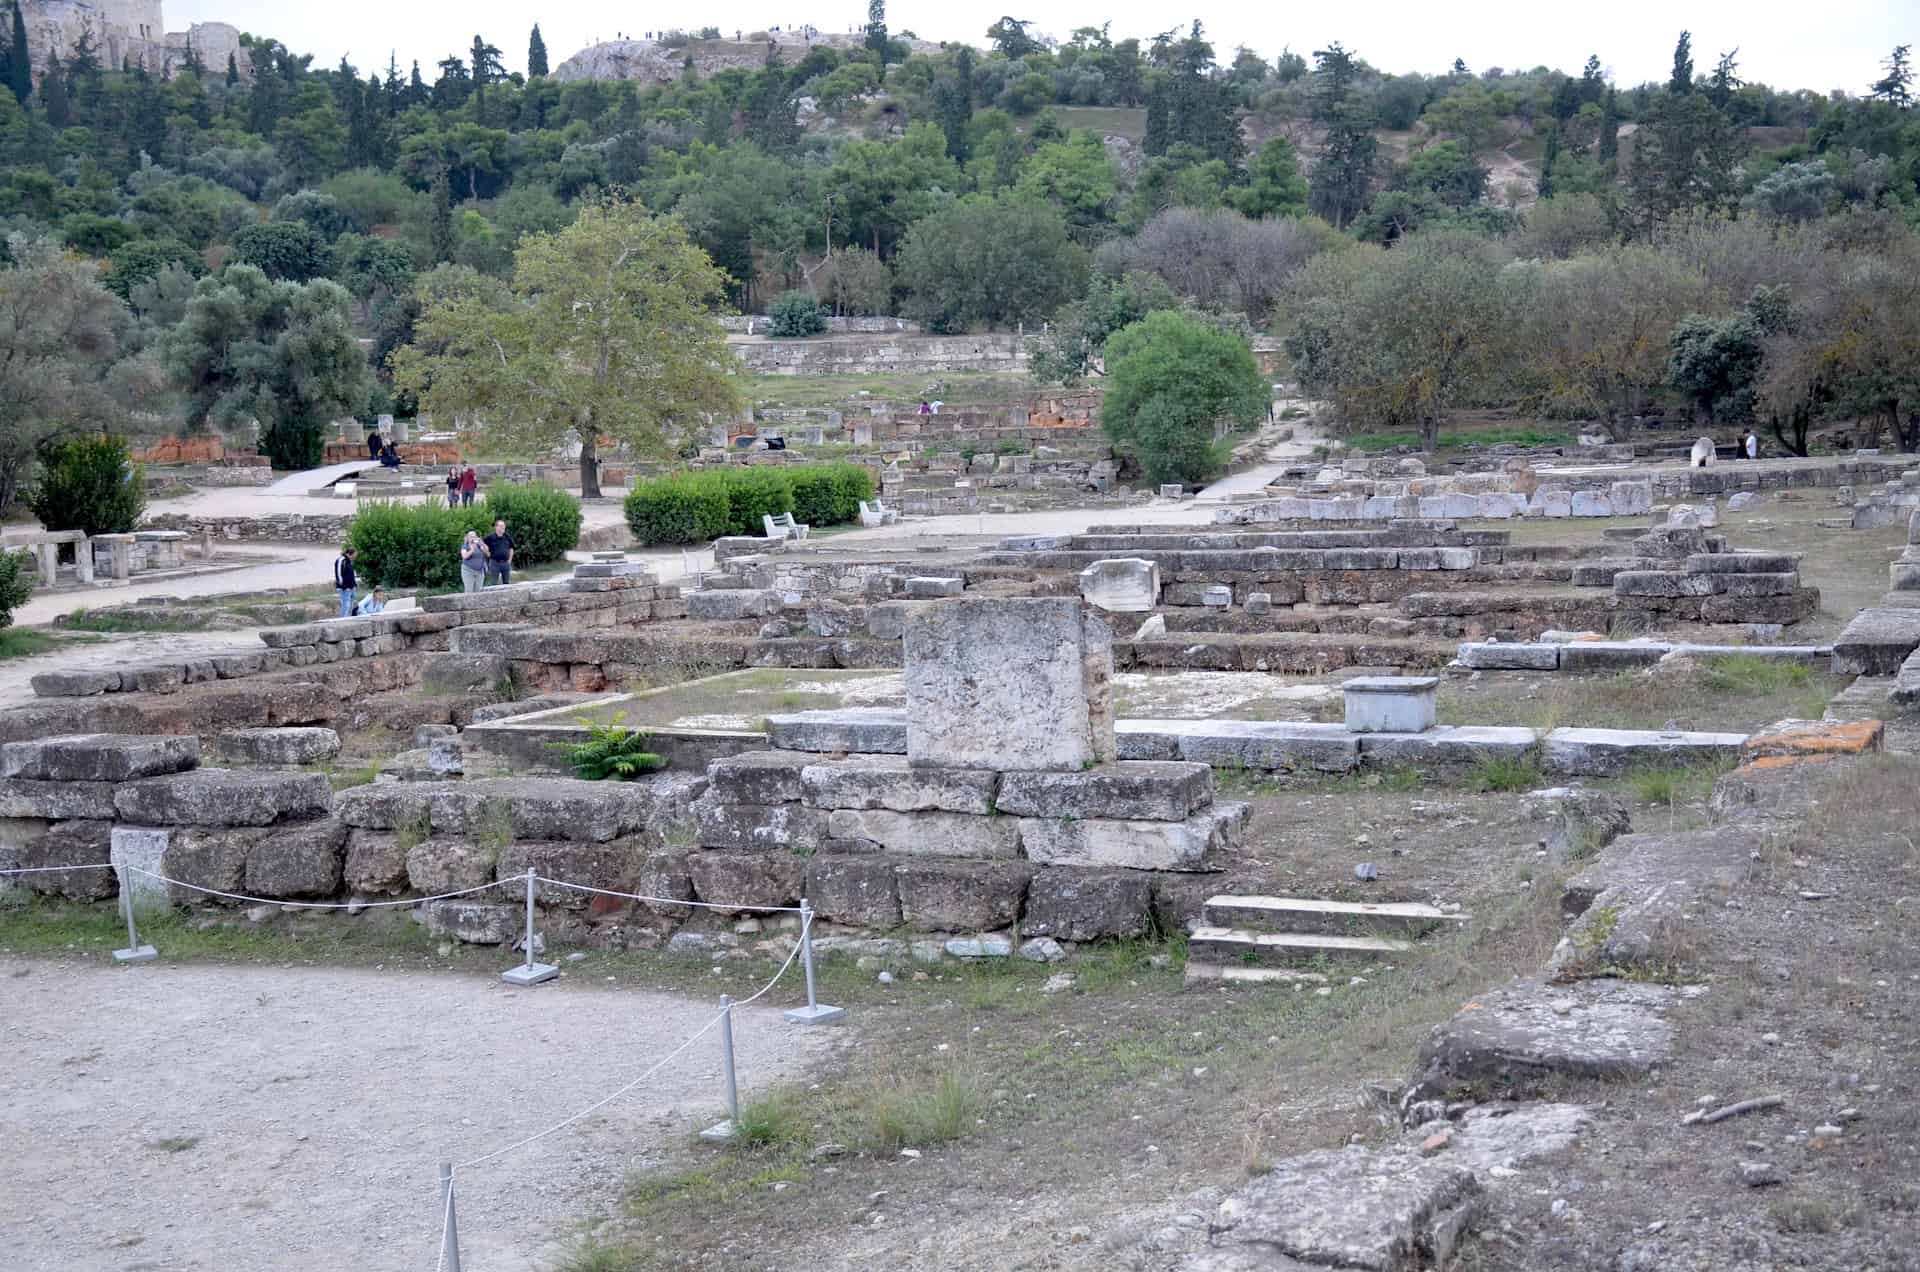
(372, 603)
(390, 458)
(373, 444)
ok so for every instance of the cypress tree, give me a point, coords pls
(536, 53)
(440, 228)
(19, 59)
(1609, 148)
(53, 94)
(233, 71)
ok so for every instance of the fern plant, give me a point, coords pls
(611, 753)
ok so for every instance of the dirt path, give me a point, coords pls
(216, 1117)
(16, 674)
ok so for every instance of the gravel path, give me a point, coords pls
(174, 1117)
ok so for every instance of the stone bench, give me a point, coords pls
(1390, 704)
(782, 526)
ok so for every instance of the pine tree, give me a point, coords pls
(877, 30)
(1343, 176)
(417, 91)
(536, 53)
(53, 94)
(19, 59)
(1895, 86)
(1548, 159)
(440, 227)
(1680, 82)
(233, 71)
(487, 69)
(1725, 81)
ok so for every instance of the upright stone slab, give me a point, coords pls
(1009, 684)
(1125, 585)
(142, 848)
(1390, 704)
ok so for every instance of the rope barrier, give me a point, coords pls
(20, 870)
(655, 1068)
(318, 905)
(635, 896)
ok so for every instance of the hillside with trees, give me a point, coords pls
(1541, 239)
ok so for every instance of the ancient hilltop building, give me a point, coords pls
(125, 31)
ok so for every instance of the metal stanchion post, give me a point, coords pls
(450, 1232)
(815, 1012)
(728, 1129)
(529, 972)
(135, 952)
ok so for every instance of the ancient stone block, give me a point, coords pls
(67, 843)
(1631, 498)
(743, 880)
(376, 862)
(857, 890)
(719, 824)
(76, 684)
(1008, 684)
(865, 730)
(960, 896)
(889, 782)
(479, 922)
(1144, 790)
(98, 757)
(1665, 583)
(664, 876)
(931, 588)
(206, 857)
(731, 604)
(930, 834)
(1610, 752)
(1743, 563)
(545, 808)
(222, 797)
(1507, 656)
(1759, 584)
(1137, 845)
(56, 801)
(1125, 585)
(1531, 1030)
(275, 747)
(1874, 643)
(1550, 501)
(299, 859)
(449, 865)
(758, 777)
(462, 673)
(1085, 905)
(1390, 704)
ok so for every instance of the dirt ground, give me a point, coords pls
(291, 1117)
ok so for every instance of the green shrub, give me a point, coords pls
(753, 493)
(90, 484)
(829, 494)
(681, 508)
(14, 587)
(410, 544)
(611, 753)
(1009, 446)
(1504, 773)
(795, 313)
(543, 521)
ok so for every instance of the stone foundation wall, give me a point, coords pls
(292, 527)
(876, 355)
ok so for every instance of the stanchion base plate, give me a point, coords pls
(138, 954)
(818, 1014)
(529, 975)
(719, 1132)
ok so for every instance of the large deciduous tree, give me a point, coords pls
(990, 261)
(610, 333)
(1175, 383)
(280, 353)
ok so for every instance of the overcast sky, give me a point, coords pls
(1817, 46)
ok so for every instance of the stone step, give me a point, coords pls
(1243, 974)
(1226, 945)
(1341, 918)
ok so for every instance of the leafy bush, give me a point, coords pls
(753, 493)
(90, 484)
(410, 544)
(829, 494)
(14, 587)
(682, 508)
(544, 521)
(795, 313)
(611, 753)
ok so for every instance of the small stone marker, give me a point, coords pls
(1390, 704)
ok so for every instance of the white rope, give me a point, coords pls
(635, 896)
(655, 1068)
(321, 905)
(19, 870)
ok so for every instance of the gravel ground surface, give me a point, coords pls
(218, 1117)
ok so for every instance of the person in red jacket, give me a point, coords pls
(469, 482)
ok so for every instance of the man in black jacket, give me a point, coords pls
(344, 581)
(499, 555)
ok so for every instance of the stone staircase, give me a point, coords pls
(1254, 939)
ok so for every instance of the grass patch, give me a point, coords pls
(909, 1114)
(598, 1256)
(773, 1121)
(173, 1143)
(1504, 773)
(18, 642)
(1672, 784)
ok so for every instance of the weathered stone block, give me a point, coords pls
(928, 834)
(857, 890)
(865, 730)
(67, 843)
(1610, 752)
(720, 824)
(275, 747)
(960, 896)
(462, 673)
(56, 801)
(743, 880)
(1136, 845)
(1506, 656)
(476, 922)
(300, 859)
(1875, 642)
(99, 757)
(1008, 684)
(889, 782)
(614, 865)
(204, 856)
(1125, 585)
(449, 865)
(76, 684)
(1390, 704)
(1082, 905)
(1759, 584)
(1136, 789)
(1631, 498)
(1665, 583)
(545, 807)
(731, 604)
(758, 777)
(222, 797)
(376, 862)
(931, 588)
